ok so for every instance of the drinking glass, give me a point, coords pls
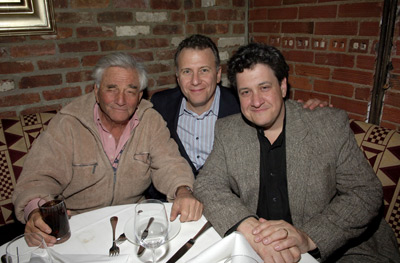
(18, 251)
(54, 213)
(152, 211)
(240, 259)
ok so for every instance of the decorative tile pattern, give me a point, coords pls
(381, 147)
(16, 137)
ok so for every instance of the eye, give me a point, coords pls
(265, 88)
(186, 72)
(204, 70)
(244, 93)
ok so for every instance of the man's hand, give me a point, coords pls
(314, 103)
(267, 252)
(186, 205)
(36, 224)
(282, 235)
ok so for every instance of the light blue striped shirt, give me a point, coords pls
(197, 132)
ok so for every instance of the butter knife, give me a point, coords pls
(144, 235)
(188, 244)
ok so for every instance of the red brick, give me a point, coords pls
(353, 76)
(370, 29)
(166, 80)
(177, 17)
(165, 4)
(20, 99)
(80, 76)
(239, 3)
(363, 94)
(319, 11)
(64, 32)
(260, 39)
(222, 2)
(89, 3)
(83, 46)
(33, 110)
(394, 82)
(295, 2)
(103, 31)
(282, 13)
(153, 43)
(365, 62)
(91, 60)
(130, 3)
(123, 44)
(298, 27)
(361, 9)
(391, 114)
(15, 67)
(76, 18)
(8, 114)
(195, 16)
(224, 15)
(336, 28)
(392, 99)
(63, 93)
(300, 83)
(266, 27)
(168, 29)
(58, 63)
(389, 125)
(258, 14)
(13, 39)
(188, 4)
(210, 29)
(313, 71)
(158, 68)
(144, 56)
(334, 59)
(239, 29)
(115, 17)
(306, 95)
(40, 81)
(33, 50)
(299, 56)
(266, 3)
(351, 106)
(165, 54)
(60, 3)
(334, 88)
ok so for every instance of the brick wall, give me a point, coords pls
(46, 72)
(331, 47)
(329, 44)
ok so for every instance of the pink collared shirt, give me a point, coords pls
(110, 147)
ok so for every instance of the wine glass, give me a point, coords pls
(151, 224)
(19, 251)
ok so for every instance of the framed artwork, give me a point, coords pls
(26, 17)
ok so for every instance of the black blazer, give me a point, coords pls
(168, 103)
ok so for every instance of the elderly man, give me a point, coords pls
(105, 148)
(291, 180)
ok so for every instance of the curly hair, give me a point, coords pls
(256, 53)
(199, 42)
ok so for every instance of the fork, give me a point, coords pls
(114, 250)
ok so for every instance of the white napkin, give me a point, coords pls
(86, 258)
(234, 244)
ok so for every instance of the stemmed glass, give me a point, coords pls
(151, 215)
(18, 250)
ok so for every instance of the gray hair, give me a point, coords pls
(123, 60)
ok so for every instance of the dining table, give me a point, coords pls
(91, 239)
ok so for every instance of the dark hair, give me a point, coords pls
(256, 53)
(198, 42)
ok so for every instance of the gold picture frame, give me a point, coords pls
(26, 17)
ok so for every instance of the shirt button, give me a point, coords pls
(274, 199)
(110, 136)
(197, 138)
(198, 156)
(272, 174)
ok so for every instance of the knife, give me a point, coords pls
(188, 244)
(144, 235)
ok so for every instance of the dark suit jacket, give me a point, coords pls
(168, 103)
(334, 195)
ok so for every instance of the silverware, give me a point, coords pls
(114, 250)
(122, 238)
(144, 235)
(188, 244)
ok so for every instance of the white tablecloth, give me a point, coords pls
(92, 235)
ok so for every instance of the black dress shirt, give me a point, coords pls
(273, 201)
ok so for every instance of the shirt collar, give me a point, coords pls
(214, 109)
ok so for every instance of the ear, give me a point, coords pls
(140, 95)
(284, 87)
(96, 92)
(219, 74)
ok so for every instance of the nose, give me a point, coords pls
(257, 100)
(195, 78)
(120, 98)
